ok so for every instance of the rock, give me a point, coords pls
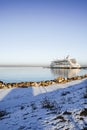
(59, 79)
(14, 84)
(1, 86)
(8, 85)
(53, 83)
(48, 82)
(83, 112)
(69, 79)
(3, 113)
(43, 83)
(79, 77)
(27, 84)
(82, 77)
(65, 81)
(75, 78)
(21, 84)
(4, 86)
(35, 84)
(85, 75)
(67, 113)
(1, 82)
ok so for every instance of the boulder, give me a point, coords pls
(43, 83)
(8, 85)
(27, 84)
(1, 82)
(85, 75)
(59, 79)
(35, 84)
(21, 84)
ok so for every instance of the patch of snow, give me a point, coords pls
(22, 108)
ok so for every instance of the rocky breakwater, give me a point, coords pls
(58, 80)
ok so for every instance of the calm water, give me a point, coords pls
(18, 74)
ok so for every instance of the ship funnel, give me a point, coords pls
(68, 57)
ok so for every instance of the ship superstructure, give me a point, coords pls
(65, 63)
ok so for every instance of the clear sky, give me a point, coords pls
(39, 31)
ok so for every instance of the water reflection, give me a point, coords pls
(65, 72)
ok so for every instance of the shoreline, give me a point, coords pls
(59, 106)
(58, 80)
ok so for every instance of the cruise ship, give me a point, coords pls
(65, 63)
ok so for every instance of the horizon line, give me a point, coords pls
(22, 65)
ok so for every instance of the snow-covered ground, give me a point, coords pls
(56, 107)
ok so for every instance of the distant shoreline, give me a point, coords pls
(22, 66)
(45, 66)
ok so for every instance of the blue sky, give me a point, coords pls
(39, 31)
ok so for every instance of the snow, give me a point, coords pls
(56, 107)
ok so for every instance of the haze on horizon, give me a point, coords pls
(35, 32)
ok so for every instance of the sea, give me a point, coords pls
(25, 74)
